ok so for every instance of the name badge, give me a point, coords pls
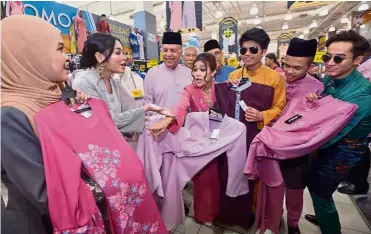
(293, 119)
(137, 94)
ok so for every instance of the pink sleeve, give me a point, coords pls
(180, 111)
(8, 8)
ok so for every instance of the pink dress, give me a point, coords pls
(72, 143)
(14, 8)
(176, 15)
(80, 26)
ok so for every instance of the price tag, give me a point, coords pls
(243, 105)
(137, 94)
(215, 135)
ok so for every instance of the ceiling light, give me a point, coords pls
(313, 24)
(260, 27)
(301, 36)
(344, 20)
(288, 16)
(285, 26)
(332, 28)
(192, 34)
(306, 31)
(214, 35)
(256, 21)
(162, 24)
(363, 7)
(363, 26)
(254, 10)
(324, 12)
(219, 14)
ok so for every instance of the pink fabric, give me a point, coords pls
(279, 70)
(80, 25)
(174, 159)
(71, 143)
(14, 8)
(365, 69)
(176, 15)
(294, 206)
(301, 88)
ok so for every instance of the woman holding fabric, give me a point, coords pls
(199, 97)
(102, 57)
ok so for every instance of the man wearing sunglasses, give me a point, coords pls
(223, 71)
(337, 157)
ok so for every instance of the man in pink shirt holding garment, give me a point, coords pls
(297, 62)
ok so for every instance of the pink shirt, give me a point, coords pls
(365, 69)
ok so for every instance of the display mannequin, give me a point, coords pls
(133, 38)
(80, 27)
(14, 8)
(141, 45)
(102, 25)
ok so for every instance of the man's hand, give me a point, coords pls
(234, 82)
(253, 115)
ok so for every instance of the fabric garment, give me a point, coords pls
(278, 69)
(232, 39)
(14, 8)
(103, 27)
(80, 26)
(357, 90)
(206, 182)
(164, 86)
(99, 150)
(133, 38)
(141, 46)
(238, 211)
(302, 87)
(316, 127)
(223, 74)
(365, 69)
(173, 159)
(22, 172)
(27, 76)
(330, 168)
(189, 15)
(126, 117)
(176, 15)
(225, 49)
(266, 77)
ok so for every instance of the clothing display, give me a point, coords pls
(80, 26)
(173, 159)
(365, 69)
(189, 15)
(103, 27)
(164, 86)
(133, 38)
(98, 150)
(141, 45)
(14, 8)
(176, 15)
(225, 44)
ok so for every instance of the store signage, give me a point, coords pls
(228, 33)
(233, 62)
(152, 63)
(152, 37)
(304, 4)
(318, 57)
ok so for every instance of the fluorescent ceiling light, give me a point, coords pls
(363, 26)
(306, 31)
(332, 28)
(219, 14)
(313, 24)
(301, 36)
(260, 27)
(256, 21)
(324, 12)
(288, 16)
(363, 6)
(345, 20)
(285, 26)
(254, 10)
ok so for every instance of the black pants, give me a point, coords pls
(359, 174)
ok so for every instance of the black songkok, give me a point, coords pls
(211, 44)
(302, 48)
(172, 38)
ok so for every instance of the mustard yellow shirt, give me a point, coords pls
(266, 76)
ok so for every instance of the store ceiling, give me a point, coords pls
(271, 13)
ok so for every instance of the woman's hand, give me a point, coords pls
(152, 107)
(158, 128)
(81, 97)
(312, 97)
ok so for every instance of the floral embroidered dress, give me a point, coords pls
(206, 184)
(89, 142)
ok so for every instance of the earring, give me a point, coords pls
(100, 69)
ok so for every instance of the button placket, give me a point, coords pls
(237, 106)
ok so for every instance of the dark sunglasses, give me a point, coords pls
(337, 58)
(253, 50)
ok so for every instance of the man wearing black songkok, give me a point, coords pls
(212, 46)
(299, 83)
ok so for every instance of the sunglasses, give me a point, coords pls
(253, 50)
(337, 58)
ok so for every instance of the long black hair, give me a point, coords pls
(98, 42)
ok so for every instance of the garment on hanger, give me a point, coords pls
(133, 38)
(14, 8)
(80, 27)
(141, 46)
(240, 211)
(176, 15)
(89, 142)
(173, 159)
(316, 126)
(189, 15)
(225, 45)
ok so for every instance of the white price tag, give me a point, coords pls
(215, 135)
(243, 105)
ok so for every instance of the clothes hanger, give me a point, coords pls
(68, 93)
(216, 110)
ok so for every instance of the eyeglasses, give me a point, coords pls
(253, 50)
(337, 58)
